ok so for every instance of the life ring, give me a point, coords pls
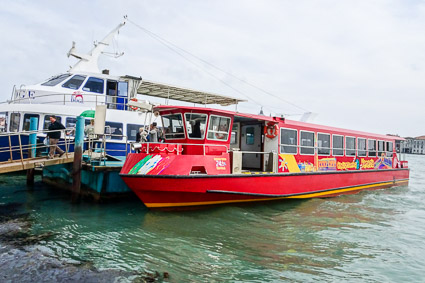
(133, 107)
(271, 130)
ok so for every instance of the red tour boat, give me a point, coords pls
(213, 156)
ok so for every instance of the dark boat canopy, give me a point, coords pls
(184, 94)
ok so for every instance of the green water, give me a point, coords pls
(373, 236)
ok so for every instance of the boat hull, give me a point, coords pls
(168, 191)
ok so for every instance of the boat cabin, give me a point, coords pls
(256, 143)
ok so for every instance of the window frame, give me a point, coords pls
(82, 82)
(374, 150)
(186, 128)
(111, 136)
(31, 115)
(12, 124)
(212, 131)
(163, 126)
(129, 137)
(86, 82)
(308, 147)
(389, 153)
(358, 148)
(281, 144)
(355, 146)
(318, 147)
(342, 148)
(377, 148)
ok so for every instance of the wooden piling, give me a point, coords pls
(78, 154)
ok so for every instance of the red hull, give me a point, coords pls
(165, 191)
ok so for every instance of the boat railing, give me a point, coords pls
(21, 150)
(66, 98)
(178, 148)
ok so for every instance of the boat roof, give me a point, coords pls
(167, 91)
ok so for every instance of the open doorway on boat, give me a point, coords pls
(251, 145)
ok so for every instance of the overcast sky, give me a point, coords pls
(357, 64)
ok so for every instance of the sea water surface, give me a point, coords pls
(372, 236)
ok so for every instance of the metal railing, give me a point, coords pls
(157, 146)
(61, 98)
(23, 149)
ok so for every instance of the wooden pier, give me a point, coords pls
(33, 163)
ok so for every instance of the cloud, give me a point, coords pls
(358, 64)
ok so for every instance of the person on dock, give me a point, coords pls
(54, 137)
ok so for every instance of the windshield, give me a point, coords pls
(173, 126)
(56, 79)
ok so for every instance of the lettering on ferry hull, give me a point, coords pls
(77, 97)
(354, 165)
(220, 163)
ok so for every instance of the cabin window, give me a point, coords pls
(173, 126)
(288, 140)
(337, 145)
(307, 142)
(250, 136)
(371, 146)
(15, 118)
(3, 119)
(381, 148)
(75, 82)
(234, 134)
(324, 144)
(218, 128)
(361, 145)
(113, 130)
(196, 125)
(132, 130)
(46, 122)
(27, 119)
(55, 80)
(389, 149)
(94, 85)
(350, 146)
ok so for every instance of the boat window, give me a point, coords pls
(27, 119)
(381, 148)
(195, 125)
(389, 149)
(56, 79)
(324, 144)
(350, 146)
(371, 146)
(288, 140)
(307, 142)
(132, 130)
(74, 82)
(173, 126)
(47, 121)
(234, 134)
(218, 128)
(361, 145)
(15, 118)
(94, 85)
(250, 135)
(113, 130)
(337, 145)
(3, 118)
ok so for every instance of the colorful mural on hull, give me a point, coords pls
(151, 165)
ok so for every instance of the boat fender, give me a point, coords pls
(271, 130)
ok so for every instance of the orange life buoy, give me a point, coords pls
(271, 130)
(133, 107)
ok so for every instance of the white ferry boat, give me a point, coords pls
(82, 88)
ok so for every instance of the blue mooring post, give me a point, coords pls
(32, 149)
(78, 154)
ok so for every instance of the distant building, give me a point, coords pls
(414, 145)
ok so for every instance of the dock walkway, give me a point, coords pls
(32, 163)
